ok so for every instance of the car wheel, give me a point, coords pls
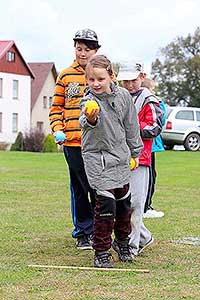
(192, 142)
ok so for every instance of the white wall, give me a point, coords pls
(8, 105)
(40, 114)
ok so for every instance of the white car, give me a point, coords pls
(182, 128)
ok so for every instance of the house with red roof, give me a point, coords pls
(15, 92)
(42, 89)
(26, 91)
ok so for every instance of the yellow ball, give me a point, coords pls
(91, 104)
(132, 163)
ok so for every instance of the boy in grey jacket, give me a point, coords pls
(110, 137)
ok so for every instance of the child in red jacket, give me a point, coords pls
(147, 105)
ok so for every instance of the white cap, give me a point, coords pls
(130, 70)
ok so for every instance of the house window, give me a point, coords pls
(40, 126)
(50, 102)
(15, 122)
(0, 121)
(15, 89)
(10, 56)
(1, 87)
(44, 102)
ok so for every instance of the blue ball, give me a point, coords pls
(60, 136)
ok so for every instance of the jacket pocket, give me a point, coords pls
(109, 159)
(93, 163)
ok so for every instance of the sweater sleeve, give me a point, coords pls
(57, 107)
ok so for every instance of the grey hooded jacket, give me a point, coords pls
(108, 145)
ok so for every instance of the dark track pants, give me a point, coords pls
(112, 211)
(152, 182)
(81, 204)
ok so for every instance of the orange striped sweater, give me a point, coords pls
(65, 111)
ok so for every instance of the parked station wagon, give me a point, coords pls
(182, 128)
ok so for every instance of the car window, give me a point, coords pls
(185, 115)
(198, 115)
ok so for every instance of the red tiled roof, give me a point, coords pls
(41, 71)
(6, 45)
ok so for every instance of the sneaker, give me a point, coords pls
(141, 248)
(84, 243)
(102, 259)
(133, 252)
(123, 251)
(152, 213)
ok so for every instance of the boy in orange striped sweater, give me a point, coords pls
(64, 116)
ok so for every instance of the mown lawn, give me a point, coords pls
(36, 229)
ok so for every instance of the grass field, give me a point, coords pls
(36, 229)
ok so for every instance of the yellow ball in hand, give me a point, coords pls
(132, 163)
(91, 104)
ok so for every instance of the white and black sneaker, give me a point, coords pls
(102, 259)
(84, 243)
(123, 250)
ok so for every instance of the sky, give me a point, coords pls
(43, 30)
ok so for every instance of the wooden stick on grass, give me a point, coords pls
(89, 268)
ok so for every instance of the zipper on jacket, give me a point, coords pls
(102, 161)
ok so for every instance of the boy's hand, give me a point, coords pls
(135, 163)
(59, 139)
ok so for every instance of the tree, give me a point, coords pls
(18, 145)
(115, 66)
(177, 72)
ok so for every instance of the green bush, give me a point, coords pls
(18, 145)
(49, 144)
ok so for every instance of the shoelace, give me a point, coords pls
(105, 257)
(124, 249)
